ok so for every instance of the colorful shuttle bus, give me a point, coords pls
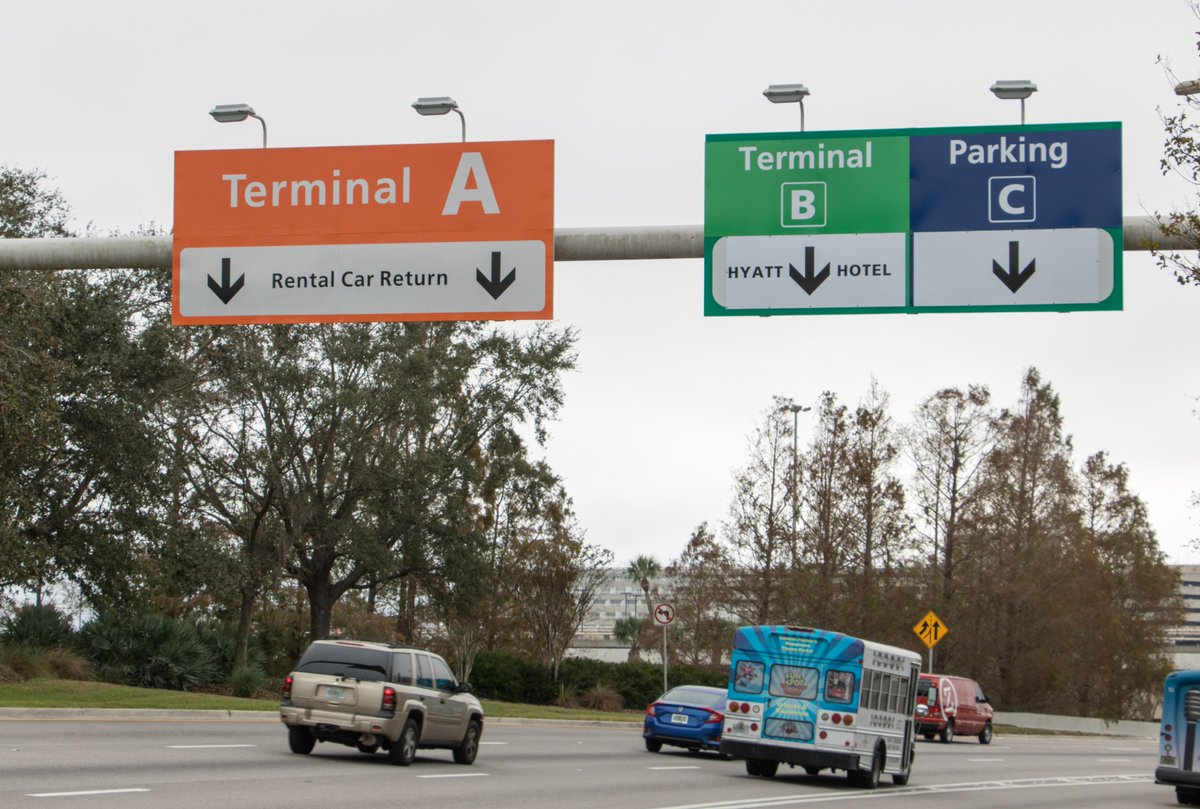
(820, 700)
(1178, 750)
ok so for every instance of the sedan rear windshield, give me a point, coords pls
(695, 696)
(345, 661)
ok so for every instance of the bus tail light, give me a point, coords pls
(848, 720)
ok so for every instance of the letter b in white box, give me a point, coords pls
(804, 205)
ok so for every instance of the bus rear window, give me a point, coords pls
(748, 677)
(797, 682)
(839, 686)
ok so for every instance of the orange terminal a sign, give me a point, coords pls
(461, 231)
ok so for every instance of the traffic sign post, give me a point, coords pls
(664, 616)
(461, 231)
(1021, 218)
(930, 630)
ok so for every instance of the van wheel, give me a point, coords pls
(404, 749)
(301, 740)
(947, 735)
(985, 737)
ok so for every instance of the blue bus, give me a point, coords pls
(820, 700)
(1177, 755)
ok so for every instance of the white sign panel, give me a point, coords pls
(354, 280)
(1012, 267)
(810, 272)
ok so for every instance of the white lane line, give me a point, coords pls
(458, 775)
(482, 743)
(1114, 760)
(685, 767)
(205, 746)
(985, 759)
(83, 792)
(936, 789)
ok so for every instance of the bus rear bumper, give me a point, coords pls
(822, 759)
(1172, 776)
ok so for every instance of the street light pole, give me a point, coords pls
(796, 411)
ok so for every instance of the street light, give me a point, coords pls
(1019, 89)
(788, 94)
(1187, 88)
(440, 105)
(232, 113)
(796, 411)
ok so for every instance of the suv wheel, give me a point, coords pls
(469, 746)
(301, 740)
(404, 749)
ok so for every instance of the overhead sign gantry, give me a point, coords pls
(373, 233)
(1017, 218)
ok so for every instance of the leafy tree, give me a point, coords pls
(1181, 157)
(948, 441)
(29, 208)
(701, 632)
(555, 579)
(1026, 582)
(881, 526)
(827, 544)
(757, 533)
(1140, 598)
(375, 439)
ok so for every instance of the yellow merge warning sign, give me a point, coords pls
(930, 629)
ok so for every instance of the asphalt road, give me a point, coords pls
(166, 764)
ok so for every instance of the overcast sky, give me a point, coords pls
(100, 95)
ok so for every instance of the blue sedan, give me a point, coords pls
(688, 716)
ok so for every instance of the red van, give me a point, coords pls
(952, 706)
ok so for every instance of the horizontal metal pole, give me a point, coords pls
(570, 244)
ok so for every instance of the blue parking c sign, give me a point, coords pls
(1023, 177)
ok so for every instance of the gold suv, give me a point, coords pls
(379, 695)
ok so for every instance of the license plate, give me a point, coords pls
(333, 692)
(679, 718)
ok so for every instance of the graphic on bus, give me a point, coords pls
(820, 700)
(1177, 759)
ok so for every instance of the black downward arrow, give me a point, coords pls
(1013, 277)
(494, 285)
(225, 290)
(809, 281)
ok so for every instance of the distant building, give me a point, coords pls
(618, 597)
(1185, 639)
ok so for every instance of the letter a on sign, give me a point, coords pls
(470, 165)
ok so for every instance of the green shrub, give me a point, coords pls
(24, 662)
(602, 698)
(247, 681)
(221, 639)
(66, 665)
(148, 651)
(37, 626)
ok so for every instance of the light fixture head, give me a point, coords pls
(439, 105)
(230, 113)
(1022, 88)
(1187, 88)
(785, 93)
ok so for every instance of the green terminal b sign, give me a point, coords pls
(990, 218)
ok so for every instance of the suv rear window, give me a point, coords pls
(345, 661)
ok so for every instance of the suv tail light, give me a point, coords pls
(286, 696)
(389, 700)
